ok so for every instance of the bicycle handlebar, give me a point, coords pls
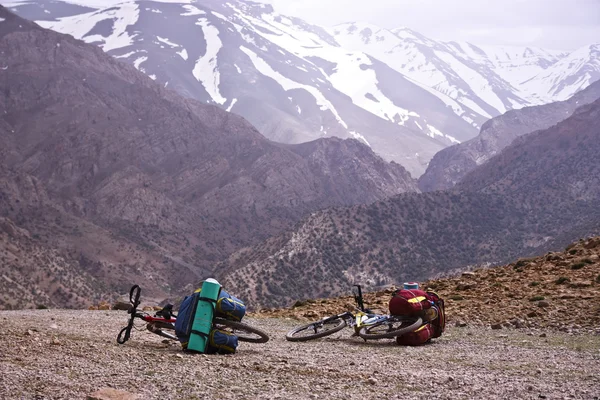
(359, 298)
(134, 298)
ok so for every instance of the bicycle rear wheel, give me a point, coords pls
(244, 333)
(391, 327)
(315, 330)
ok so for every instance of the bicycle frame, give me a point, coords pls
(165, 316)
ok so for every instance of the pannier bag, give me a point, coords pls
(230, 307)
(416, 302)
(222, 342)
(227, 306)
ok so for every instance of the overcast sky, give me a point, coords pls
(553, 24)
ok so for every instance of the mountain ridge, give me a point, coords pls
(538, 194)
(296, 82)
(108, 172)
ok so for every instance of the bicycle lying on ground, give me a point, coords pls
(163, 323)
(365, 323)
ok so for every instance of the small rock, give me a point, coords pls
(372, 380)
(496, 326)
(55, 341)
(543, 303)
(29, 332)
(460, 324)
(111, 394)
(121, 305)
(532, 314)
(53, 326)
(450, 379)
(179, 355)
(538, 371)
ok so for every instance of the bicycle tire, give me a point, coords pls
(338, 323)
(244, 333)
(406, 325)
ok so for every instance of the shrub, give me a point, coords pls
(41, 307)
(457, 297)
(534, 283)
(578, 265)
(536, 298)
(561, 280)
(573, 251)
(598, 279)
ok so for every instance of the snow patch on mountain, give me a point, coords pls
(183, 54)
(287, 84)
(167, 42)
(206, 70)
(79, 26)
(433, 132)
(358, 136)
(191, 10)
(231, 105)
(139, 61)
(476, 82)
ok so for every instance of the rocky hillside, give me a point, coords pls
(130, 181)
(559, 290)
(451, 165)
(539, 194)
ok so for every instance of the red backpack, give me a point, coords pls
(416, 302)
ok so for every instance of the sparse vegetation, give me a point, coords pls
(561, 280)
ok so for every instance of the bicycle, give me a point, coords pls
(163, 322)
(365, 323)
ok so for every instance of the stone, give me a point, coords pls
(111, 394)
(543, 303)
(496, 326)
(372, 380)
(55, 341)
(121, 305)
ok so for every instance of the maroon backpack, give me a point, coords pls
(416, 302)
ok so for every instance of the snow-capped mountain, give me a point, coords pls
(403, 94)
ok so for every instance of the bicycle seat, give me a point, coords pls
(166, 312)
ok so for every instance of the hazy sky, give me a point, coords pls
(554, 24)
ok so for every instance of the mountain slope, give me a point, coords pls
(130, 182)
(452, 164)
(540, 193)
(403, 94)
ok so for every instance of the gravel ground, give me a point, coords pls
(59, 354)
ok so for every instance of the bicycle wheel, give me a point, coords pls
(316, 330)
(391, 327)
(244, 333)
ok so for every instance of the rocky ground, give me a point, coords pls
(560, 291)
(58, 354)
(527, 330)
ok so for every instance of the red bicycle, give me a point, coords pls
(163, 323)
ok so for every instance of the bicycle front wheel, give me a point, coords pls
(315, 330)
(244, 333)
(391, 327)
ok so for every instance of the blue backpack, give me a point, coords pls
(219, 341)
